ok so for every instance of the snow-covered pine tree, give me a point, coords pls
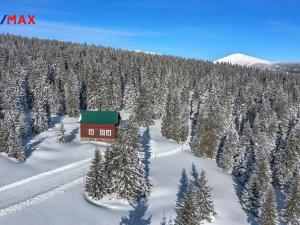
(287, 162)
(268, 214)
(92, 80)
(40, 116)
(95, 180)
(279, 147)
(230, 149)
(3, 138)
(210, 127)
(240, 159)
(126, 178)
(250, 158)
(291, 211)
(280, 140)
(239, 108)
(116, 87)
(168, 116)
(182, 190)
(72, 94)
(61, 138)
(257, 187)
(176, 117)
(13, 119)
(16, 151)
(56, 99)
(266, 121)
(188, 213)
(184, 115)
(205, 205)
(56, 103)
(131, 89)
(108, 169)
(206, 140)
(143, 111)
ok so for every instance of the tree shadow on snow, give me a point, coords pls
(182, 187)
(137, 215)
(72, 135)
(30, 148)
(145, 141)
(55, 120)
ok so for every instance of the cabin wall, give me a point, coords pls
(98, 134)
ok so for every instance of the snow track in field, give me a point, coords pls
(42, 186)
(40, 198)
(38, 188)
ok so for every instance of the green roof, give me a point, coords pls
(99, 117)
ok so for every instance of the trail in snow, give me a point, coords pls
(29, 188)
(35, 189)
(40, 198)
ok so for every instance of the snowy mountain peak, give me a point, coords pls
(243, 60)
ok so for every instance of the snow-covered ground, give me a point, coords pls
(52, 192)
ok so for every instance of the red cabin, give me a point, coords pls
(99, 125)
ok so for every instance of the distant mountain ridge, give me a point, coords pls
(245, 60)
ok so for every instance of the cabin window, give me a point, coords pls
(91, 132)
(108, 132)
(102, 132)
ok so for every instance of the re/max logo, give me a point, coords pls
(18, 20)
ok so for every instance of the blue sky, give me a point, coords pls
(204, 29)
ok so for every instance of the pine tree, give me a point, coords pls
(250, 158)
(41, 116)
(287, 161)
(205, 206)
(291, 211)
(188, 213)
(266, 121)
(175, 120)
(206, 140)
(280, 142)
(72, 95)
(61, 137)
(93, 85)
(95, 180)
(279, 147)
(3, 139)
(143, 110)
(126, 178)
(167, 118)
(257, 186)
(230, 149)
(241, 159)
(16, 151)
(56, 99)
(268, 214)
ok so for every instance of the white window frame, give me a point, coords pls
(102, 132)
(91, 132)
(108, 133)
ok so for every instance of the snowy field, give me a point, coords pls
(48, 188)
